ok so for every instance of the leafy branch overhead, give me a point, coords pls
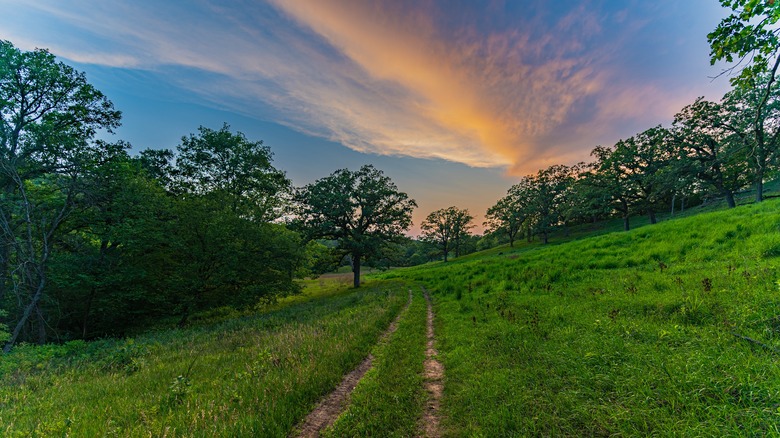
(748, 35)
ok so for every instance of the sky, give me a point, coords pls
(455, 100)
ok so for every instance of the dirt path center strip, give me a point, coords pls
(434, 379)
(334, 403)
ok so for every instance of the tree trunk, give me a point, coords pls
(356, 269)
(5, 253)
(544, 234)
(625, 223)
(41, 325)
(651, 214)
(25, 316)
(730, 199)
(760, 188)
(85, 319)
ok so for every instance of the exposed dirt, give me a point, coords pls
(332, 405)
(434, 380)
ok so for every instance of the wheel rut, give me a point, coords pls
(332, 405)
(433, 373)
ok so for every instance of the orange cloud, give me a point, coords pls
(384, 77)
(481, 89)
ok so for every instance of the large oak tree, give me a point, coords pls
(361, 210)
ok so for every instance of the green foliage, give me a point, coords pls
(49, 115)
(749, 34)
(229, 169)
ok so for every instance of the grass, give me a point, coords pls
(254, 376)
(670, 329)
(622, 334)
(390, 398)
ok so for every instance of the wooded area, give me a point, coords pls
(95, 241)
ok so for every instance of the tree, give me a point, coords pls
(750, 33)
(638, 173)
(49, 113)
(510, 213)
(608, 177)
(228, 193)
(230, 168)
(648, 163)
(753, 116)
(446, 229)
(549, 188)
(107, 270)
(710, 148)
(361, 210)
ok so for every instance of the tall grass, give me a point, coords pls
(255, 376)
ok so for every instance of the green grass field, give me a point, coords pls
(621, 334)
(254, 376)
(669, 330)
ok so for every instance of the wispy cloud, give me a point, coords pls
(420, 79)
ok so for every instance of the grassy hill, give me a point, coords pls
(633, 333)
(670, 329)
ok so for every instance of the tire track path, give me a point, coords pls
(434, 379)
(332, 405)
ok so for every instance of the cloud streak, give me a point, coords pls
(487, 87)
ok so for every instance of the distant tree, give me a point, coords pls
(446, 228)
(362, 211)
(461, 230)
(550, 187)
(647, 160)
(710, 148)
(608, 177)
(49, 114)
(510, 214)
(586, 201)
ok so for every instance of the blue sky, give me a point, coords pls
(453, 99)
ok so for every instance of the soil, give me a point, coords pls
(434, 380)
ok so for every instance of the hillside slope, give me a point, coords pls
(667, 329)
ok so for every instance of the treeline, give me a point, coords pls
(711, 149)
(95, 242)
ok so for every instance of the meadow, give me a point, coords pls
(669, 329)
(249, 376)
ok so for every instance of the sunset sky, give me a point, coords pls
(452, 99)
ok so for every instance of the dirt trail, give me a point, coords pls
(434, 380)
(332, 405)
